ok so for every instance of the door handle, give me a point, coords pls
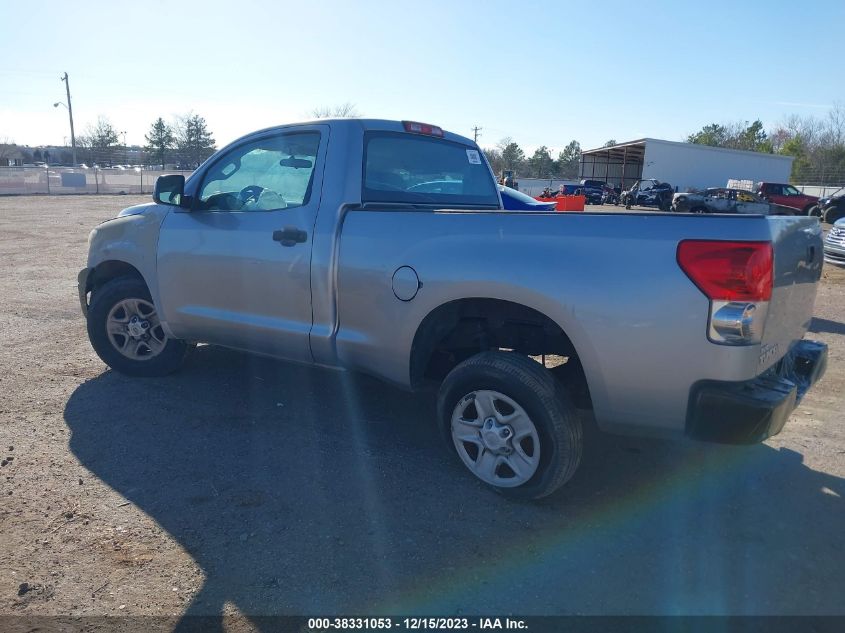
(290, 236)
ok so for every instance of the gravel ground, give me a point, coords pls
(246, 486)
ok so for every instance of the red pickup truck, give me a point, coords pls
(785, 195)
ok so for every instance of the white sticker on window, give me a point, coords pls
(473, 157)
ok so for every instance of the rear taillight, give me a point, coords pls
(422, 128)
(728, 271)
(737, 279)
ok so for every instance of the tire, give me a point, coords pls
(515, 386)
(111, 308)
(833, 214)
(814, 211)
(808, 210)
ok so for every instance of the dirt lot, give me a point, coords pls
(242, 485)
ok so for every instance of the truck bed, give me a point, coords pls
(610, 280)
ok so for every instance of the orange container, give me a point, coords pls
(567, 203)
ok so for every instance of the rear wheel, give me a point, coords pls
(125, 330)
(815, 211)
(511, 424)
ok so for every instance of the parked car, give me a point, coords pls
(834, 244)
(724, 200)
(513, 200)
(649, 192)
(785, 195)
(593, 190)
(830, 208)
(289, 246)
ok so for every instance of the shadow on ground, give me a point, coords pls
(302, 491)
(826, 325)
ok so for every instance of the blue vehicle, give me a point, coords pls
(513, 200)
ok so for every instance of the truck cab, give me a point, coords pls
(387, 251)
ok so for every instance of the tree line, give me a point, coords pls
(817, 143)
(186, 141)
(508, 155)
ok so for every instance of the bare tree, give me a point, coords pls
(100, 140)
(494, 157)
(343, 111)
(835, 124)
(817, 144)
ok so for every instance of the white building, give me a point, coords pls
(683, 165)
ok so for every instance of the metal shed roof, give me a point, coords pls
(631, 152)
(635, 150)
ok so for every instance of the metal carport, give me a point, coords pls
(618, 165)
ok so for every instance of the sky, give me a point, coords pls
(541, 72)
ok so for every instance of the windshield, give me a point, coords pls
(417, 169)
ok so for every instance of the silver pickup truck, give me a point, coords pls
(321, 243)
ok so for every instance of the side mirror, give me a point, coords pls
(169, 189)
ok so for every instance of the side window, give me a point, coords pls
(774, 190)
(264, 175)
(789, 190)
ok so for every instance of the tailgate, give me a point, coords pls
(797, 245)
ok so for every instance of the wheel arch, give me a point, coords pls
(457, 329)
(110, 269)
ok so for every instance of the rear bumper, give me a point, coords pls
(753, 410)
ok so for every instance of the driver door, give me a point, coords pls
(235, 269)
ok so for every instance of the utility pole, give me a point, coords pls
(476, 131)
(70, 115)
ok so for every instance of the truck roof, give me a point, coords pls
(364, 125)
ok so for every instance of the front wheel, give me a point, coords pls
(511, 424)
(125, 330)
(832, 214)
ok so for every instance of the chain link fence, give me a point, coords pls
(819, 190)
(66, 180)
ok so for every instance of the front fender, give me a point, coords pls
(131, 239)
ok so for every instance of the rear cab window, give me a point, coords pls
(406, 168)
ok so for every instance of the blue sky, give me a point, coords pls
(540, 72)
